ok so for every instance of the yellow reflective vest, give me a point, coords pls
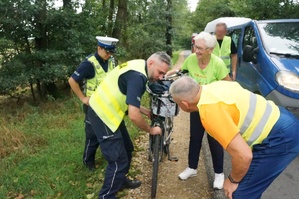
(108, 101)
(100, 74)
(224, 51)
(257, 115)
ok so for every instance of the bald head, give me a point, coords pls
(184, 89)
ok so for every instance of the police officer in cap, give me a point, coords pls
(92, 71)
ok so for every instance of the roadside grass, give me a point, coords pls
(41, 152)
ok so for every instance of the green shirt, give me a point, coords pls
(216, 69)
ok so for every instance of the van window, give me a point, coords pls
(281, 38)
(249, 37)
(235, 35)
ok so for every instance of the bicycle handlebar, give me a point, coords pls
(177, 74)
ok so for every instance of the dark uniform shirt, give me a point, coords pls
(233, 48)
(86, 70)
(133, 85)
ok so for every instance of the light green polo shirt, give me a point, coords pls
(216, 69)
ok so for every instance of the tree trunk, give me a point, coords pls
(41, 44)
(110, 17)
(41, 38)
(121, 18)
(67, 4)
(169, 27)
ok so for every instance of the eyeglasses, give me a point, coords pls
(200, 49)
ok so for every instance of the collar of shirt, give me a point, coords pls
(100, 59)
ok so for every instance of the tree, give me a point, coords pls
(41, 45)
(121, 18)
(168, 33)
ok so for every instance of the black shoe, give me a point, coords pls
(131, 184)
(91, 167)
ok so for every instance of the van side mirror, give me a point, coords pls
(249, 54)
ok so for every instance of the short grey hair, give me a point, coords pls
(210, 40)
(184, 88)
(163, 57)
(221, 24)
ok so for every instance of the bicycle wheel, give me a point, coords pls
(168, 125)
(156, 160)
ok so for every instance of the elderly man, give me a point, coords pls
(226, 48)
(261, 138)
(117, 95)
(92, 71)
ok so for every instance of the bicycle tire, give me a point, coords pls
(168, 125)
(156, 160)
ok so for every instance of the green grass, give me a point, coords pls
(41, 152)
(175, 56)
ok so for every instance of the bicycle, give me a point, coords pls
(163, 109)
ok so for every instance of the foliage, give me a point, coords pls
(47, 44)
(255, 9)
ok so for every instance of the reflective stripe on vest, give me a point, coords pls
(100, 74)
(224, 51)
(108, 101)
(249, 117)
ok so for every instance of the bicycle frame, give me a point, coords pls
(160, 143)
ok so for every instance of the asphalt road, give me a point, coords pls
(286, 186)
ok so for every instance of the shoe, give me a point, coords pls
(187, 173)
(131, 184)
(218, 181)
(91, 167)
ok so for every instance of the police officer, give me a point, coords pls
(226, 48)
(92, 70)
(119, 94)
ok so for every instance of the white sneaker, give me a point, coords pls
(187, 173)
(218, 181)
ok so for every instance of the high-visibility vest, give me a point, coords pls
(224, 51)
(108, 101)
(100, 74)
(257, 115)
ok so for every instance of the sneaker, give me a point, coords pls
(218, 181)
(187, 173)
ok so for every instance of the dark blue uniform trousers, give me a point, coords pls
(117, 149)
(196, 134)
(91, 144)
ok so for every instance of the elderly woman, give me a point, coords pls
(204, 67)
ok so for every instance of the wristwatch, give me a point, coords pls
(232, 180)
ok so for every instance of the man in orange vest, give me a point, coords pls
(261, 138)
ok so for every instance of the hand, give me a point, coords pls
(85, 100)
(229, 188)
(156, 130)
(171, 72)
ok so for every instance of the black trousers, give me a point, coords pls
(117, 149)
(196, 134)
(91, 141)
